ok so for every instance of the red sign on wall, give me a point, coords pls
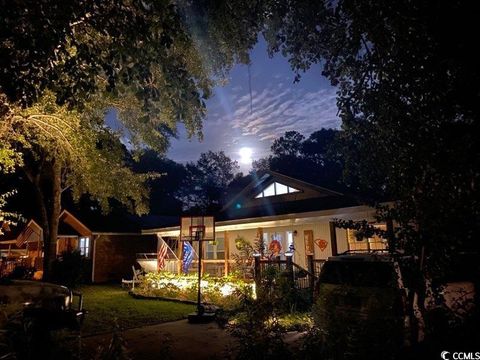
(321, 243)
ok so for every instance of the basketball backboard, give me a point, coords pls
(192, 224)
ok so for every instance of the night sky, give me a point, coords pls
(279, 105)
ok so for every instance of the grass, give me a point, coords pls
(105, 303)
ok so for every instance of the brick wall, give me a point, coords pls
(114, 255)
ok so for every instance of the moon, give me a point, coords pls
(245, 155)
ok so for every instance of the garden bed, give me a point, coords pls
(225, 292)
(108, 303)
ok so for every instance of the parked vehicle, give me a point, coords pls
(361, 306)
(48, 306)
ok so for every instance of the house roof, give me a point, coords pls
(309, 197)
(69, 225)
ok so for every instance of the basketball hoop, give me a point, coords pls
(198, 228)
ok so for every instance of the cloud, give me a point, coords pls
(276, 110)
(235, 119)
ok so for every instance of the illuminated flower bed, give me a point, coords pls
(225, 291)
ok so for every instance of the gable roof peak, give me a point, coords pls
(264, 178)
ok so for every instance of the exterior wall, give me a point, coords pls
(67, 244)
(316, 222)
(321, 230)
(114, 255)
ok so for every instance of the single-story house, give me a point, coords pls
(112, 253)
(288, 215)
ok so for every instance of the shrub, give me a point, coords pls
(22, 273)
(71, 269)
(224, 292)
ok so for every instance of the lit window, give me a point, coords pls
(269, 191)
(281, 189)
(215, 250)
(276, 189)
(373, 243)
(289, 240)
(84, 246)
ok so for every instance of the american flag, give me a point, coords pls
(23, 237)
(187, 256)
(161, 255)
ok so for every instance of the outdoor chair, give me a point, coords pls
(135, 279)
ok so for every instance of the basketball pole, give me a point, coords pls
(199, 296)
(196, 232)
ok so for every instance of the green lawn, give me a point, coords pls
(104, 303)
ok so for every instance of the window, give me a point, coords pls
(290, 245)
(84, 246)
(215, 250)
(373, 243)
(265, 241)
(276, 189)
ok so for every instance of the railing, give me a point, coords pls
(213, 267)
(8, 265)
(316, 267)
(146, 256)
(303, 280)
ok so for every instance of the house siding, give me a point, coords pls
(321, 230)
(114, 255)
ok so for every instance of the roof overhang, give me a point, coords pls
(349, 213)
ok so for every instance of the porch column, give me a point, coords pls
(333, 238)
(289, 268)
(256, 269)
(226, 245)
(180, 258)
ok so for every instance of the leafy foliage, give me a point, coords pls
(225, 291)
(7, 218)
(163, 188)
(71, 269)
(64, 149)
(244, 257)
(408, 98)
(314, 159)
(205, 185)
(48, 133)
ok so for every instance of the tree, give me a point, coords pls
(62, 149)
(205, 186)
(162, 200)
(289, 144)
(62, 67)
(315, 159)
(408, 98)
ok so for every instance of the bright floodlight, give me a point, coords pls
(245, 155)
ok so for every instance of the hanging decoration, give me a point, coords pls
(321, 243)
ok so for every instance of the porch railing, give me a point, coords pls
(213, 267)
(302, 280)
(8, 265)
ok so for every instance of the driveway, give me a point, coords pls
(179, 338)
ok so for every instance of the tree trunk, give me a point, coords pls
(50, 239)
(41, 203)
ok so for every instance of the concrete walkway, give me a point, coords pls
(179, 338)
